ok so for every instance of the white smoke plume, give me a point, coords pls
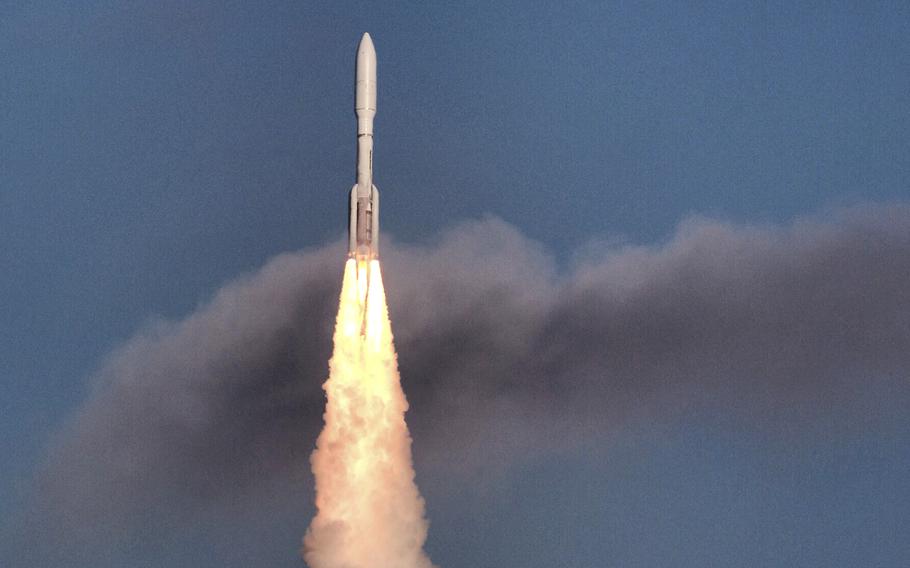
(370, 514)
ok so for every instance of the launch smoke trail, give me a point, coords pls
(507, 358)
(369, 511)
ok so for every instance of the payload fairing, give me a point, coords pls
(363, 227)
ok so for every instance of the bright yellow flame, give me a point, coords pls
(369, 511)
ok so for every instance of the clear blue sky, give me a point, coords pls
(152, 151)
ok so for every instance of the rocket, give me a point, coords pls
(363, 227)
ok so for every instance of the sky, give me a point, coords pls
(646, 267)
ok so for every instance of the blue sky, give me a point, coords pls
(151, 152)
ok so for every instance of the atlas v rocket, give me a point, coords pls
(363, 227)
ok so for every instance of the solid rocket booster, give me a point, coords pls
(363, 228)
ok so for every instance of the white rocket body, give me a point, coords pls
(363, 228)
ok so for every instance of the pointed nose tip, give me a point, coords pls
(366, 44)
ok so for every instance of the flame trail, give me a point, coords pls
(369, 511)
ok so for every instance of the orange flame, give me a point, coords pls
(369, 513)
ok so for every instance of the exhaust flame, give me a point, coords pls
(369, 513)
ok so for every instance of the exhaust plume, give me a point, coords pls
(369, 512)
(504, 357)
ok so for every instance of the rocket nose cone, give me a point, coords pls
(366, 46)
(366, 63)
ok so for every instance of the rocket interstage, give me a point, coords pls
(363, 226)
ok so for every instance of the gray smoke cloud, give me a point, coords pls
(502, 355)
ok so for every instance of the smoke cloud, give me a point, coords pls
(502, 355)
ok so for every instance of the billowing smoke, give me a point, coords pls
(502, 354)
